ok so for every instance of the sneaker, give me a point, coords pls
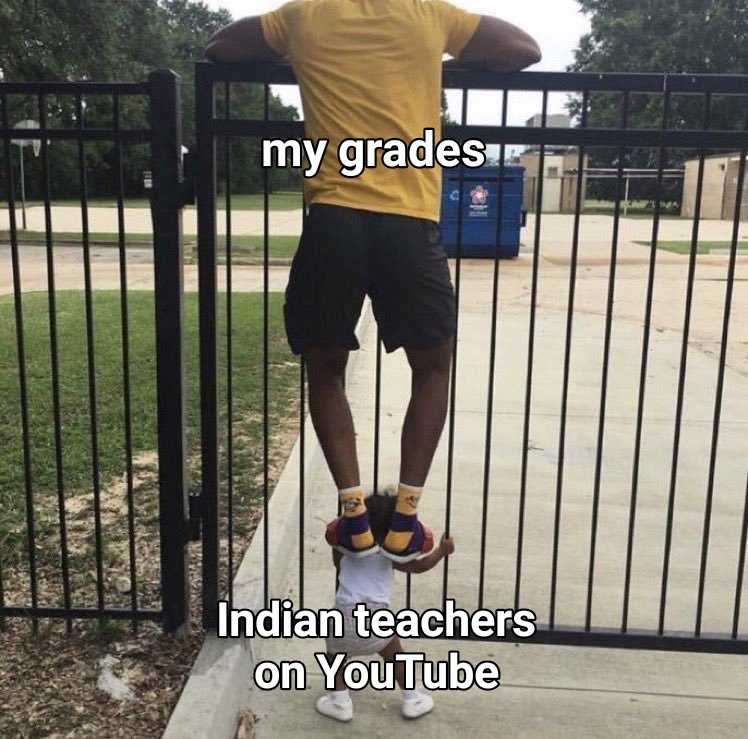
(340, 535)
(420, 705)
(339, 710)
(421, 541)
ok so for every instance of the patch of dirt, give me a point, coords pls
(50, 680)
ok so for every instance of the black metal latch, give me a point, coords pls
(195, 516)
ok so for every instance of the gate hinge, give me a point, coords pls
(195, 516)
(187, 185)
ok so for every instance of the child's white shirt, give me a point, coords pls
(364, 580)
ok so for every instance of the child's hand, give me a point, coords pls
(446, 545)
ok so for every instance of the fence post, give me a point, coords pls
(206, 239)
(166, 211)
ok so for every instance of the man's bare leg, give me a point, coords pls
(422, 429)
(427, 411)
(331, 414)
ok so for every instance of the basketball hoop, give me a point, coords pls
(36, 144)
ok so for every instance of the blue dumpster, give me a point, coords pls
(480, 193)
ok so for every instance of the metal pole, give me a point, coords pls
(208, 296)
(23, 190)
(166, 210)
(626, 201)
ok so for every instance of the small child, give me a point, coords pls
(369, 580)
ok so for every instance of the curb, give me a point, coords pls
(221, 677)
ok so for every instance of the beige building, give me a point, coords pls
(719, 188)
(559, 181)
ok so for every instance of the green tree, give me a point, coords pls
(682, 36)
(115, 40)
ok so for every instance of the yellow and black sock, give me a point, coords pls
(404, 518)
(356, 519)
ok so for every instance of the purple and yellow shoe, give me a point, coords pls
(349, 536)
(407, 538)
(414, 539)
(351, 533)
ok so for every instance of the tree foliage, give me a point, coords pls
(681, 36)
(116, 40)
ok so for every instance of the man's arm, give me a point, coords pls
(424, 564)
(239, 42)
(500, 46)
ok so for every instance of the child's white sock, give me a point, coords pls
(339, 696)
(409, 695)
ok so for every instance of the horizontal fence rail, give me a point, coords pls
(591, 514)
(48, 550)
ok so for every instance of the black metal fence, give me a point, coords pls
(146, 114)
(677, 136)
(557, 509)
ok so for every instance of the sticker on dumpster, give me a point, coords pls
(478, 202)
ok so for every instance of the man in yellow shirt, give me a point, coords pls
(371, 69)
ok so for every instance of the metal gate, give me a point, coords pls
(670, 94)
(519, 552)
(58, 533)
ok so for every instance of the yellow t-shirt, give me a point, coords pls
(370, 69)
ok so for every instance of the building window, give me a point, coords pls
(552, 171)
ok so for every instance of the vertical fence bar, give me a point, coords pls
(530, 359)
(302, 445)
(644, 366)
(119, 174)
(53, 345)
(302, 480)
(567, 363)
(377, 409)
(265, 358)
(206, 230)
(727, 312)
(690, 282)
(492, 352)
(229, 359)
(166, 125)
(91, 357)
(22, 384)
(606, 360)
(741, 565)
(453, 383)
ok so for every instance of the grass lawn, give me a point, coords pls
(76, 443)
(54, 674)
(636, 209)
(278, 201)
(704, 247)
(245, 249)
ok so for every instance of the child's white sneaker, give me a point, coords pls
(341, 709)
(417, 704)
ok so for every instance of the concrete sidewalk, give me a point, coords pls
(547, 691)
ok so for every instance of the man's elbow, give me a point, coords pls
(211, 51)
(526, 54)
(218, 50)
(534, 55)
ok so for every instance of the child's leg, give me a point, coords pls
(339, 681)
(336, 703)
(415, 702)
(388, 655)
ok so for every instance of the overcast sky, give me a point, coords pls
(556, 24)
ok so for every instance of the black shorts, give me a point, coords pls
(347, 253)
